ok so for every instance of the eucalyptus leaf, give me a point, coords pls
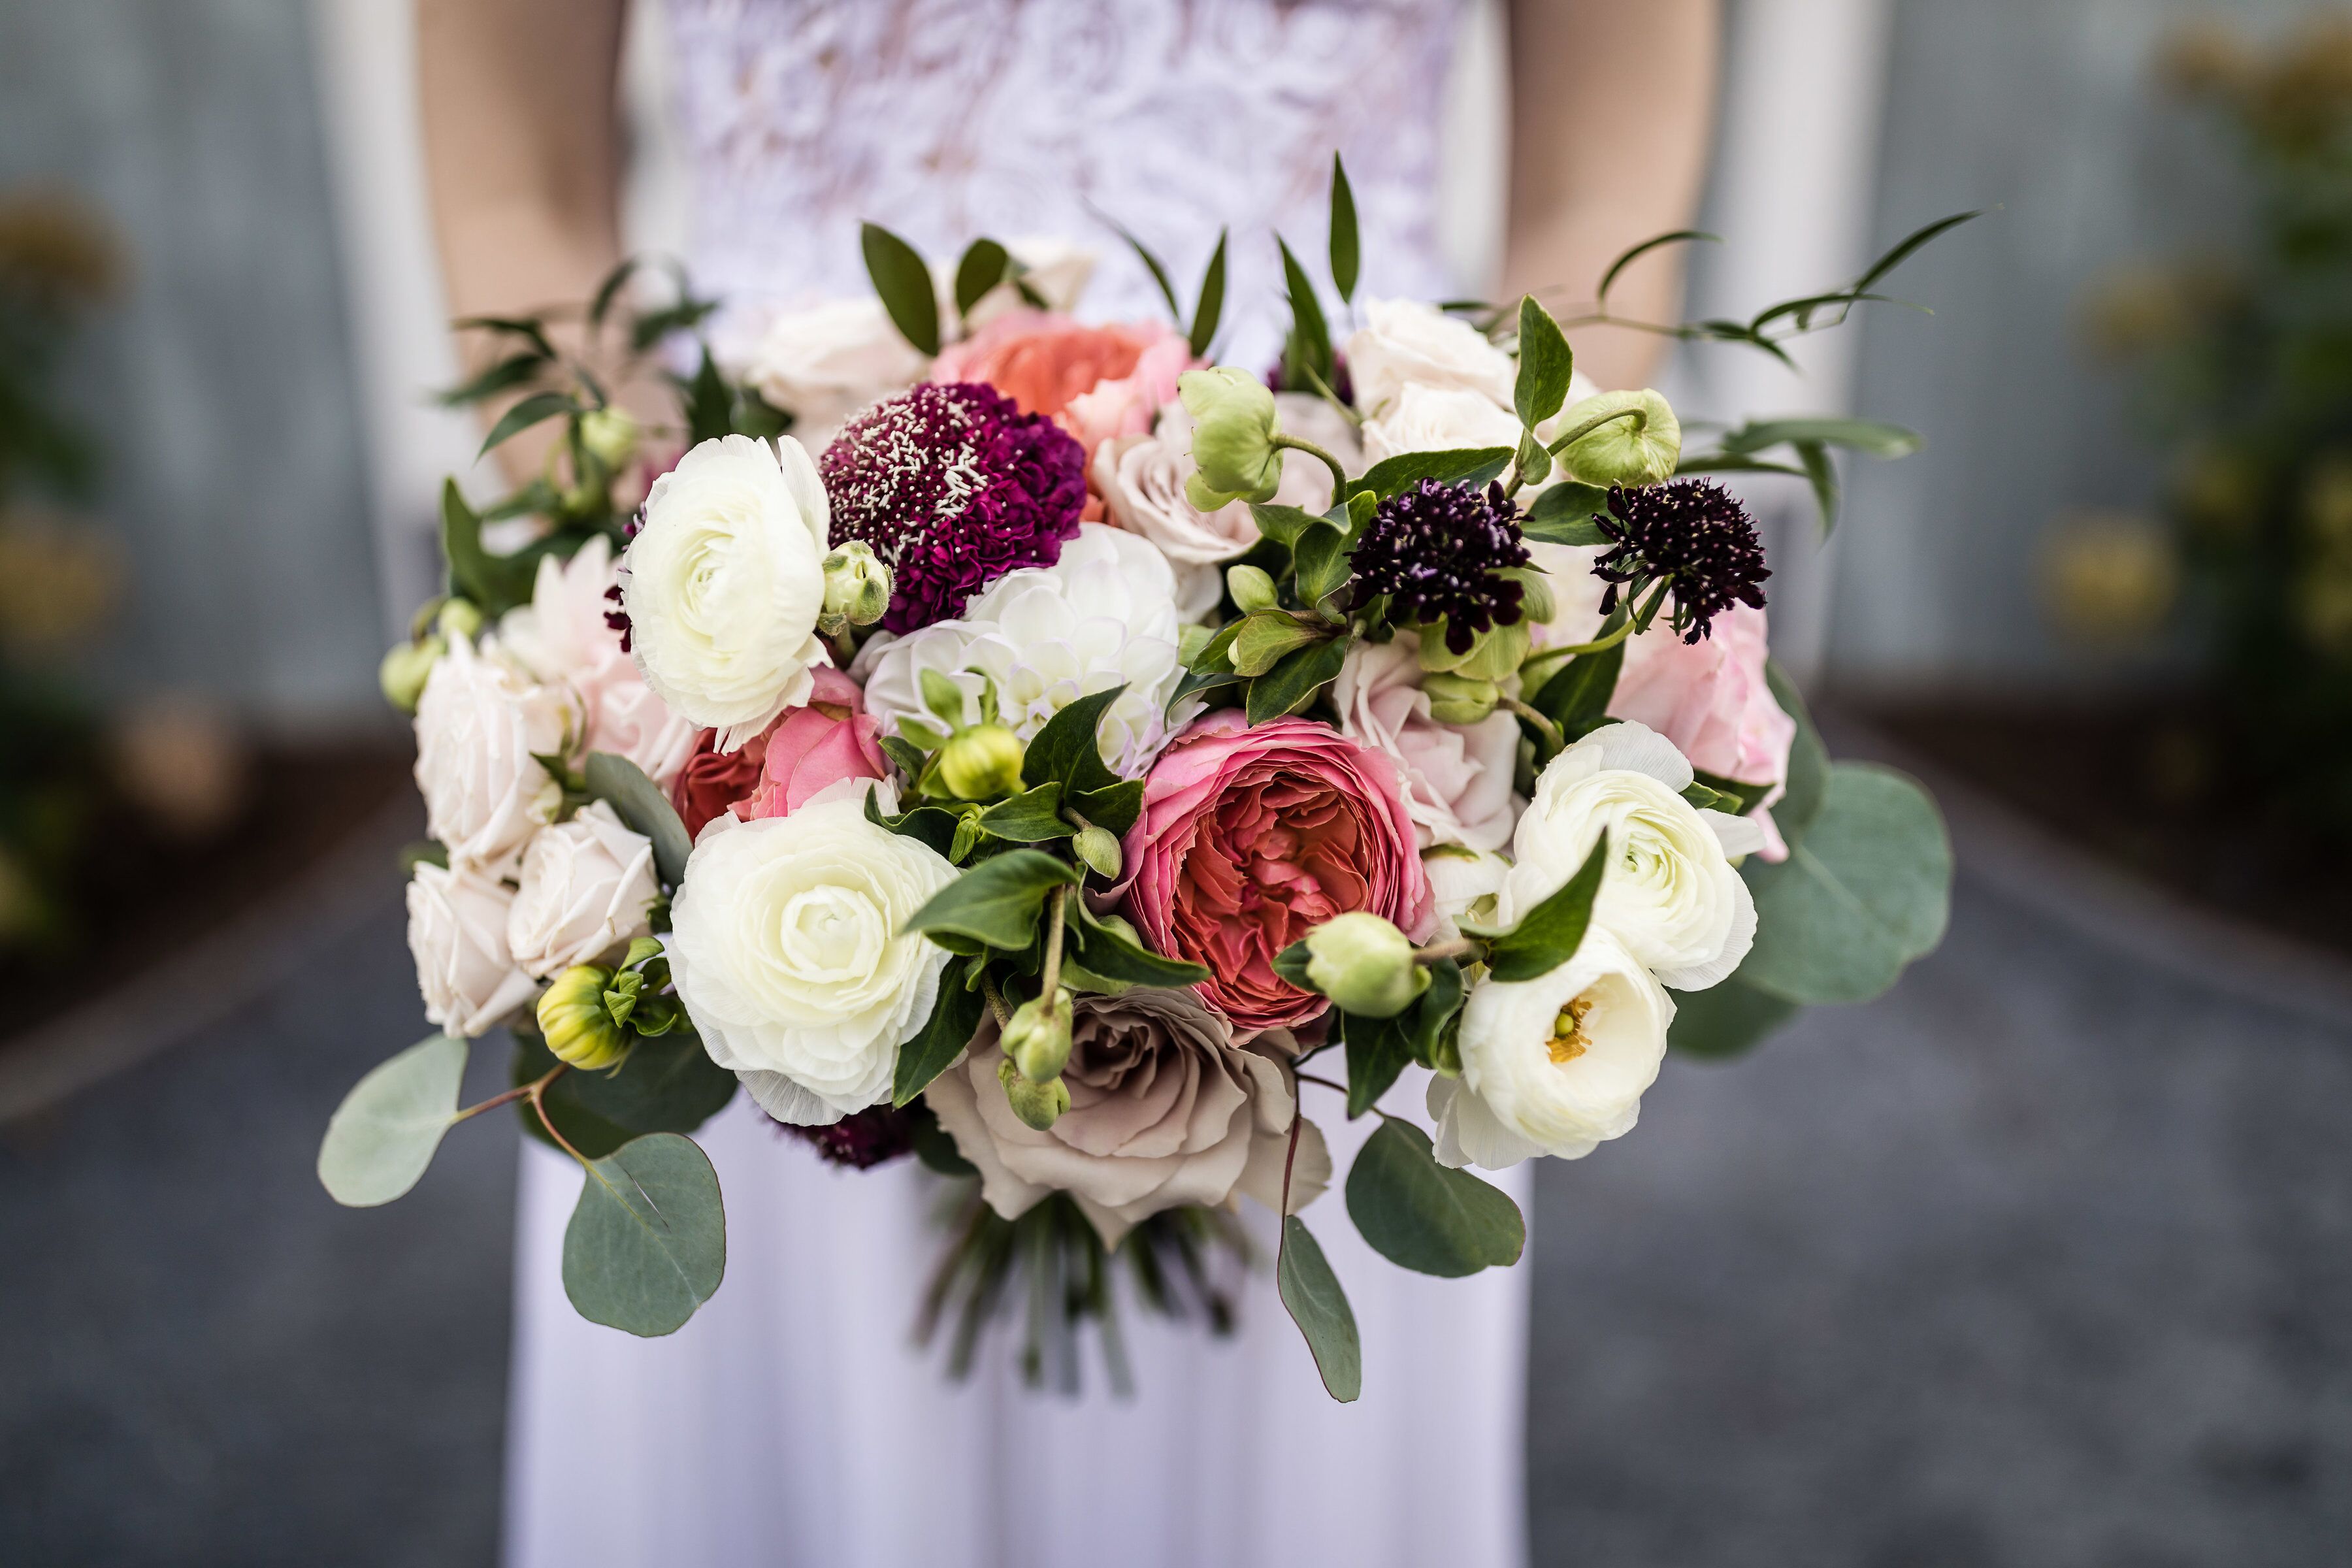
(668, 1084)
(1809, 761)
(1347, 247)
(1311, 1295)
(997, 901)
(1549, 936)
(383, 1135)
(1867, 891)
(1871, 437)
(954, 1020)
(1725, 1019)
(1033, 816)
(647, 1244)
(1421, 1216)
(904, 283)
(1467, 466)
(1292, 684)
(639, 802)
(1546, 364)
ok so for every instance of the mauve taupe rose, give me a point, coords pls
(1165, 1110)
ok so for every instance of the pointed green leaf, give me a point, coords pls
(495, 583)
(510, 371)
(953, 1022)
(1871, 437)
(1113, 808)
(1310, 337)
(1822, 473)
(639, 802)
(1292, 684)
(609, 290)
(1469, 466)
(1068, 750)
(668, 1084)
(1546, 364)
(538, 408)
(1378, 1053)
(1152, 264)
(647, 1244)
(905, 285)
(384, 1134)
(1600, 295)
(982, 268)
(997, 901)
(1285, 525)
(1549, 935)
(1033, 816)
(1266, 637)
(1109, 953)
(1905, 247)
(1311, 1295)
(1211, 305)
(1347, 247)
(1423, 1216)
(1576, 696)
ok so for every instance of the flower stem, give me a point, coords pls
(1549, 731)
(537, 1093)
(996, 1001)
(1055, 901)
(1439, 952)
(1338, 474)
(510, 1096)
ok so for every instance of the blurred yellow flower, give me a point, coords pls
(58, 578)
(2108, 577)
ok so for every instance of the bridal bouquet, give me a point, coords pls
(1035, 748)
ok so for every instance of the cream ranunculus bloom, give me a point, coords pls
(1165, 1110)
(723, 584)
(1423, 419)
(586, 888)
(1555, 1065)
(785, 945)
(479, 725)
(1405, 341)
(457, 934)
(1670, 893)
(827, 362)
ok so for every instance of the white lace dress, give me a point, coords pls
(793, 1421)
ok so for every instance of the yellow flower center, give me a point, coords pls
(1569, 1040)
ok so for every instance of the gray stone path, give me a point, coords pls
(2045, 1260)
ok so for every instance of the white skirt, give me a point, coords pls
(795, 1421)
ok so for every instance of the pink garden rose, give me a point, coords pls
(1094, 382)
(830, 739)
(1250, 838)
(1457, 777)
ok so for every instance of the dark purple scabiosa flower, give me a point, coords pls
(1691, 533)
(861, 1140)
(1434, 551)
(953, 487)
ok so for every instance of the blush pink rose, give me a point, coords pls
(1250, 838)
(1457, 777)
(1094, 382)
(830, 739)
(1711, 700)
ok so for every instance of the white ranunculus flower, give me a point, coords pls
(1141, 482)
(562, 639)
(1405, 341)
(586, 888)
(479, 724)
(1105, 613)
(1467, 884)
(457, 934)
(785, 943)
(723, 584)
(827, 362)
(1422, 418)
(1555, 1065)
(1670, 893)
(1456, 777)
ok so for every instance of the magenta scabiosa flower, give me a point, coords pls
(861, 1140)
(1435, 549)
(1692, 533)
(953, 486)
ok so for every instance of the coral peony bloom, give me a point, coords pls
(1094, 382)
(832, 739)
(1250, 838)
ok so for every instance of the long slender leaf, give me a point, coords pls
(1152, 263)
(1546, 364)
(610, 289)
(1908, 245)
(536, 409)
(1627, 259)
(953, 1021)
(1347, 247)
(1309, 334)
(1211, 305)
(997, 901)
(905, 285)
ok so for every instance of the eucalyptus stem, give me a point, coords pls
(1543, 723)
(1338, 474)
(537, 1093)
(510, 1096)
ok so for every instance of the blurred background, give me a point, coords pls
(2046, 1257)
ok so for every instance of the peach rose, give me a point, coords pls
(1094, 382)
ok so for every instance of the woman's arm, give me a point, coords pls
(522, 147)
(1610, 117)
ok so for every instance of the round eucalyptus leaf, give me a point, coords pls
(1311, 1295)
(383, 1135)
(1725, 1019)
(1868, 890)
(1423, 1217)
(647, 1244)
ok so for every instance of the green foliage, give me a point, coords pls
(1809, 761)
(1471, 465)
(1576, 696)
(1379, 1048)
(1421, 1216)
(667, 1083)
(997, 902)
(953, 1021)
(1210, 304)
(1726, 1019)
(1307, 362)
(904, 283)
(493, 583)
(1564, 514)
(647, 1242)
(1546, 364)
(1033, 816)
(1106, 952)
(1292, 684)
(1549, 935)
(1867, 891)
(639, 802)
(984, 265)
(384, 1134)
(1347, 245)
(537, 409)
(1311, 1295)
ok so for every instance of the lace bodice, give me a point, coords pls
(949, 118)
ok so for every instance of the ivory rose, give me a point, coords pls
(1094, 382)
(1670, 893)
(1407, 342)
(1421, 418)
(585, 888)
(815, 747)
(788, 946)
(1250, 837)
(1556, 1065)
(1457, 777)
(722, 585)
(1165, 1110)
(481, 724)
(824, 363)
(562, 639)
(457, 934)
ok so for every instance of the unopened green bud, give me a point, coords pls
(858, 588)
(1098, 849)
(1037, 1036)
(1635, 440)
(1251, 589)
(460, 618)
(405, 669)
(1365, 964)
(609, 435)
(1495, 654)
(1458, 699)
(579, 1027)
(981, 762)
(1039, 1105)
(1233, 453)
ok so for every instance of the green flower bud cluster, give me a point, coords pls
(1037, 1036)
(858, 588)
(407, 665)
(1233, 427)
(591, 1015)
(972, 762)
(1365, 964)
